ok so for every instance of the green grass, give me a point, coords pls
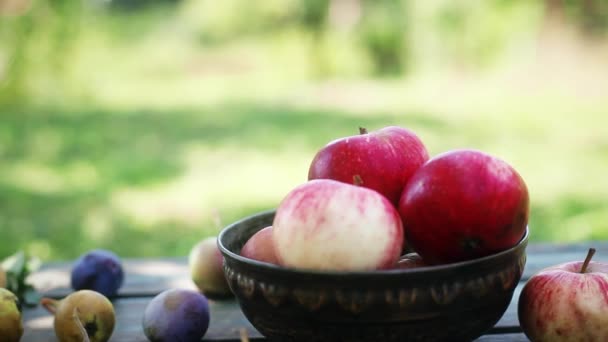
(152, 182)
(158, 141)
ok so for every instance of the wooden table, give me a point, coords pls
(146, 278)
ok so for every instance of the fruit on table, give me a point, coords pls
(329, 225)
(176, 315)
(82, 309)
(464, 204)
(206, 268)
(260, 247)
(566, 302)
(381, 160)
(410, 260)
(98, 270)
(11, 327)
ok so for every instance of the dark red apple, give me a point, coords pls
(260, 247)
(382, 160)
(464, 204)
(567, 302)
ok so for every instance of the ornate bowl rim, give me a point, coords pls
(467, 264)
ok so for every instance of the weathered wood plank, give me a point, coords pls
(503, 338)
(226, 322)
(150, 277)
(143, 277)
(146, 278)
(558, 248)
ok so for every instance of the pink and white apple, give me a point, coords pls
(329, 225)
(464, 204)
(260, 247)
(206, 268)
(567, 302)
(382, 160)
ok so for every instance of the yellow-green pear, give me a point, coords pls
(11, 327)
(82, 309)
(205, 261)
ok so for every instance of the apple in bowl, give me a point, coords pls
(261, 247)
(462, 205)
(381, 160)
(329, 225)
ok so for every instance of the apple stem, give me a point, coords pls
(357, 180)
(587, 260)
(49, 304)
(362, 130)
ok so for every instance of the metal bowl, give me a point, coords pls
(453, 302)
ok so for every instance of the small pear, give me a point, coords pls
(205, 261)
(11, 327)
(84, 308)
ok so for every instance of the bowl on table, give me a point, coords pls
(453, 302)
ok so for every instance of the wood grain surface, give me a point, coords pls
(146, 278)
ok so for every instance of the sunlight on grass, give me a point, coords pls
(215, 179)
(34, 176)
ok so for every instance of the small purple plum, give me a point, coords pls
(205, 261)
(11, 327)
(176, 315)
(83, 315)
(98, 270)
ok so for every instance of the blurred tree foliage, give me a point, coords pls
(393, 36)
(384, 32)
(35, 43)
(591, 16)
(137, 5)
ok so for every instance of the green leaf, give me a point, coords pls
(18, 267)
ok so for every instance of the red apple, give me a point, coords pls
(464, 204)
(567, 302)
(382, 160)
(410, 260)
(329, 225)
(206, 268)
(260, 247)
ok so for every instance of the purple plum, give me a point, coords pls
(98, 270)
(176, 315)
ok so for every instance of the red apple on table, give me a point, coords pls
(206, 268)
(260, 247)
(381, 160)
(567, 302)
(464, 204)
(329, 225)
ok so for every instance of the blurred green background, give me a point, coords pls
(143, 126)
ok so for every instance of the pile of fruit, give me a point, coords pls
(376, 201)
(87, 314)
